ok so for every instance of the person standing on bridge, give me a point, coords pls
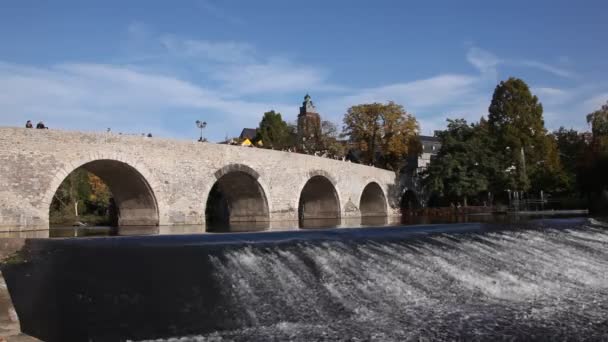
(40, 125)
(28, 124)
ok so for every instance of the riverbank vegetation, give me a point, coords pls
(82, 198)
(511, 156)
(506, 157)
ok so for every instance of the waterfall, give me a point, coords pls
(514, 284)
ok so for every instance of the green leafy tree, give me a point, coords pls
(594, 168)
(599, 122)
(382, 133)
(572, 147)
(274, 132)
(529, 156)
(465, 164)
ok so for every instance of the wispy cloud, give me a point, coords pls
(485, 61)
(595, 102)
(427, 98)
(222, 52)
(96, 95)
(548, 68)
(219, 13)
(239, 68)
(230, 84)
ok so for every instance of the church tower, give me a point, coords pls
(309, 122)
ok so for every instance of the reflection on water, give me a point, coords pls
(320, 223)
(238, 227)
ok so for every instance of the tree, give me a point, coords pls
(328, 142)
(99, 198)
(572, 146)
(273, 131)
(594, 166)
(465, 164)
(530, 158)
(381, 132)
(599, 121)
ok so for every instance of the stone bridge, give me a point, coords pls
(170, 182)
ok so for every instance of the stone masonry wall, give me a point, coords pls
(33, 163)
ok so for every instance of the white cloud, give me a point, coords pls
(595, 102)
(428, 99)
(548, 68)
(553, 96)
(485, 61)
(87, 96)
(238, 67)
(155, 96)
(273, 76)
(222, 52)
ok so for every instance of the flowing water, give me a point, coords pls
(540, 280)
(534, 284)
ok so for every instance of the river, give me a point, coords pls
(541, 279)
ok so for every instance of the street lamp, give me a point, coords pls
(201, 124)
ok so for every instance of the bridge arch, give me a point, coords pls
(373, 201)
(133, 195)
(237, 201)
(319, 200)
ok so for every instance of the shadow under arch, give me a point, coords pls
(319, 204)
(237, 201)
(135, 201)
(373, 201)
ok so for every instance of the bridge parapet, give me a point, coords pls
(165, 181)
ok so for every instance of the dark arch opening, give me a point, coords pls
(319, 204)
(236, 202)
(373, 205)
(129, 200)
(373, 201)
(409, 201)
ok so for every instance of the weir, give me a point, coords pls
(545, 279)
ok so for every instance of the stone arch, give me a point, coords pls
(373, 201)
(324, 174)
(237, 201)
(134, 197)
(319, 200)
(236, 168)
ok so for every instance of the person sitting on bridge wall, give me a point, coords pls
(28, 124)
(41, 125)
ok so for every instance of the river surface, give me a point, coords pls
(544, 279)
(67, 231)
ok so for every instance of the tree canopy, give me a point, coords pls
(381, 132)
(465, 163)
(516, 123)
(274, 132)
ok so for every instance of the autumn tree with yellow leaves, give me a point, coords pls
(383, 134)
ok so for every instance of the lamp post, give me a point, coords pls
(201, 124)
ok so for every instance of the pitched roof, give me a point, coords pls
(248, 133)
(428, 138)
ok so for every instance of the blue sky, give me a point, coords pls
(157, 66)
